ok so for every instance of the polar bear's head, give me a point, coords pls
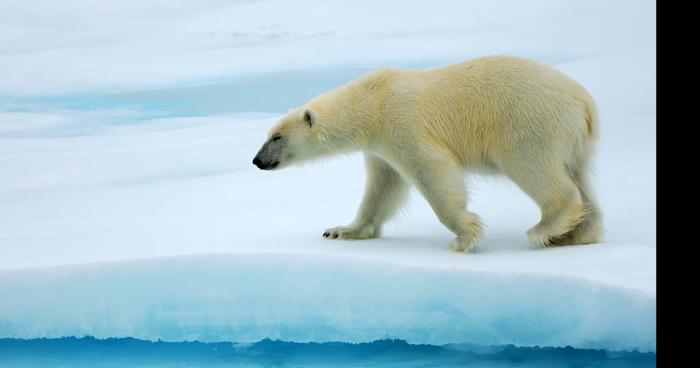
(331, 123)
(296, 137)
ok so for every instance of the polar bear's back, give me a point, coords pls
(493, 105)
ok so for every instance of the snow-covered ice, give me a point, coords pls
(129, 205)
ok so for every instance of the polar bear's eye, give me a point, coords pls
(276, 138)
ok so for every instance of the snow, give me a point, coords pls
(76, 45)
(129, 204)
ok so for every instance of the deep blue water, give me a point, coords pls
(128, 352)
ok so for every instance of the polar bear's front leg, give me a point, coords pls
(441, 181)
(385, 192)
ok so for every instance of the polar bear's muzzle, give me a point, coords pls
(270, 154)
(265, 165)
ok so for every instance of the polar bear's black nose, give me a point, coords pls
(257, 162)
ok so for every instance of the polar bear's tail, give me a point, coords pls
(591, 113)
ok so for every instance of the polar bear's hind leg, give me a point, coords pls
(558, 197)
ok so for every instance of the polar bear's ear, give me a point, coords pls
(310, 118)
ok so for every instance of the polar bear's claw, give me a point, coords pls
(352, 232)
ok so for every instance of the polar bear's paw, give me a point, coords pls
(463, 244)
(355, 232)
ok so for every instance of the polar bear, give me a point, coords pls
(495, 114)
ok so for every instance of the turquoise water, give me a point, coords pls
(128, 352)
(271, 92)
(274, 92)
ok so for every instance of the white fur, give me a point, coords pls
(427, 128)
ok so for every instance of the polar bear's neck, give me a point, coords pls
(352, 113)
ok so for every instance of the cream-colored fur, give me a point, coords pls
(427, 128)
